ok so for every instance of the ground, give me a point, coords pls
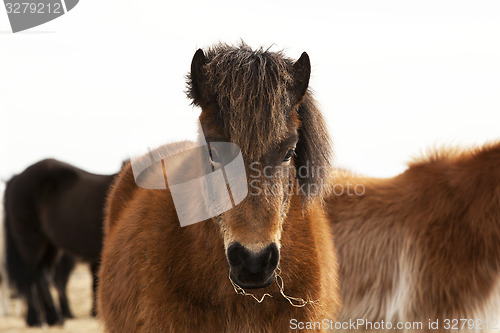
(79, 293)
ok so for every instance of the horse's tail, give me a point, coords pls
(16, 270)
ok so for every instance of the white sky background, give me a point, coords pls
(393, 77)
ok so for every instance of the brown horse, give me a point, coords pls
(424, 245)
(157, 276)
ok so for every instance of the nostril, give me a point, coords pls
(235, 253)
(273, 256)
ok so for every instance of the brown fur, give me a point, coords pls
(159, 277)
(430, 235)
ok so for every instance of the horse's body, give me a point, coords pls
(157, 276)
(425, 244)
(53, 212)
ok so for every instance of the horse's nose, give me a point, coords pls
(252, 269)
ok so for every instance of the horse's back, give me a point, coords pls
(63, 202)
(422, 243)
(50, 175)
(23, 190)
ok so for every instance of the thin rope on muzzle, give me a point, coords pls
(294, 301)
(241, 291)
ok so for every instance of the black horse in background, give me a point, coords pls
(53, 214)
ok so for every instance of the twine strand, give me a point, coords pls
(241, 291)
(297, 302)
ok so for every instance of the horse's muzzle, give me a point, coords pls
(252, 270)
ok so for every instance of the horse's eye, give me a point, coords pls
(289, 155)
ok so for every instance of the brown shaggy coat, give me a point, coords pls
(425, 244)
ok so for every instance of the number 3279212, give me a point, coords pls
(33, 8)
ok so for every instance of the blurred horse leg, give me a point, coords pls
(42, 282)
(63, 268)
(37, 258)
(30, 292)
(94, 268)
(33, 317)
(4, 293)
(4, 290)
(4, 281)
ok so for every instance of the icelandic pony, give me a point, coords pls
(52, 207)
(424, 245)
(157, 276)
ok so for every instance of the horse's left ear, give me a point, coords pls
(301, 74)
(314, 149)
(198, 90)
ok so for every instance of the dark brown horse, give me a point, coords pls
(53, 212)
(157, 276)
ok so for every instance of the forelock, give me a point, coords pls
(252, 93)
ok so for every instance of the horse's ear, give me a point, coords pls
(197, 84)
(314, 150)
(301, 74)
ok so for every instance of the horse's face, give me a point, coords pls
(253, 100)
(252, 229)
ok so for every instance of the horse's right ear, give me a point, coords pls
(197, 80)
(301, 73)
